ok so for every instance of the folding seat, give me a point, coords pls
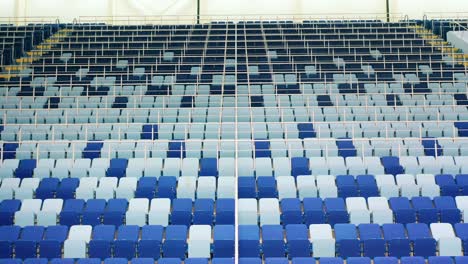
(347, 243)
(461, 260)
(336, 211)
(181, 212)
(367, 186)
(286, 187)
(426, 213)
(447, 185)
(167, 187)
(203, 212)
(210, 145)
(150, 244)
(371, 238)
(10, 234)
(428, 185)
(7, 211)
(67, 188)
(306, 186)
(407, 185)
(106, 188)
(355, 166)
(461, 230)
(226, 166)
(225, 188)
(245, 166)
(125, 244)
(175, 243)
(273, 241)
(448, 243)
(300, 166)
(206, 188)
(266, 187)
(47, 188)
(326, 186)
(146, 188)
(398, 243)
(26, 245)
(75, 245)
(323, 243)
(249, 241)
(269, 211)
(159, 211)
(402, 210)
(448, 211)
(49, 214)
(137, 212)
(101, 244)
(153, 167)
(423, 243)
(26, 216)
(86, 188)
(189, 167)
(93, 212)
(387, 186)
(199, 241)
(208, 167)
(380, 210)
(223, 241)
(346, 186)
(263, 167)
(187, 187)
(171, 167)
(25, 168)
(291, 211)
(357, 210)
(247, 210)
(298, 244)
(313, 211)
(337, 166)
(71, 212)
(114, 212)
(281, 167)
(247, 186)
(126, 188)
(51, 246)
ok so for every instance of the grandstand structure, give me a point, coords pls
(239, 141)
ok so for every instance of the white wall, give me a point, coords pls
(67, 10)
(417, 8)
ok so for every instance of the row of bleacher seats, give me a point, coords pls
(134, 211)
(348, 240)
(18, 40)
(336, 260)
(385, 98)
(231, 114)
(81, 241)
(228, 148)
(229, 167)
(372, 95)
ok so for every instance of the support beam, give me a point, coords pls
(198, 11)
(387, 8)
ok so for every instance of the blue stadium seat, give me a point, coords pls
(398, 243)
(151, 241)
(203, 212)
(373, 244)
(291, 211)
(298, 244)
(223, 241)
(249, 241)
(313, 211)
(348, 245)
(175, 244)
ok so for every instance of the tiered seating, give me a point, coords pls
(330, 140)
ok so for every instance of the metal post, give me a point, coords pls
(387, 2)
(198, 12)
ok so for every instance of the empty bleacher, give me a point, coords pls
(315, 140)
